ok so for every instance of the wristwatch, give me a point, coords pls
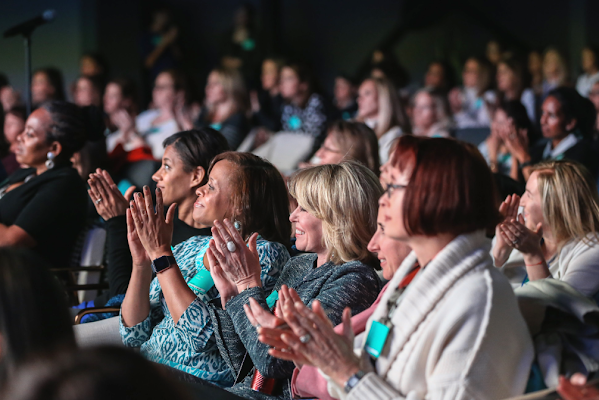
(163, 263)
(353, 380)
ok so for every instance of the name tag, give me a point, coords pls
(202, 281)
(376, 339)
(272, 298)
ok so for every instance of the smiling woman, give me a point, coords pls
(44, 206)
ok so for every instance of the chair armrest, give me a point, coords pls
(94, 310)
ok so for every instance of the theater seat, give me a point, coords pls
(472, 135)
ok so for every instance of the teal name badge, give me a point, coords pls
(295, 122)
(202, 281)
(375, 341)
(272, 298)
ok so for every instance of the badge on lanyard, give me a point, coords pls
(202, 281)
(376, 339)
(272, 298)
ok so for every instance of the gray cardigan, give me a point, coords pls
(352, 284)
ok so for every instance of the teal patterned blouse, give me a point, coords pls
(190, 345)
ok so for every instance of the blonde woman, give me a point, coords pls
(348, 141)
(430, 114)
(334, 222)
(557, 233)
(225, 106)
(379, 108)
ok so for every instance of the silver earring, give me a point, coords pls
(50, 161)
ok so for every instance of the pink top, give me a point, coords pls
(307, 382)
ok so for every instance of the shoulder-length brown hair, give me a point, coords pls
(451, 188)
(260, 197)
(357, 142)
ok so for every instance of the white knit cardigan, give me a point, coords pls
(457, 334)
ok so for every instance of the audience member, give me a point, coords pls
(535, 70)
(160, 50)
(14, 124)
(168, 316)
(348, 141)
(594, 97)
(494, 52)
(155, 125)
(345, 94)
(379, 108)
(555, 72)
(267, 102)
(187, 156)
(93, 374)
(334, 221)
(512, 84)
(566, 123)
(589, 61)
(304, 110)
(47, 84)
(439, 76)
(225, 106)
(447, 312)
(430, 114)
(88, 91)
(307, 381)
(557, 232)
(9, 98)
(470, 103)
(509, 120)
(44, 206)
(33, 316)
(95, 65)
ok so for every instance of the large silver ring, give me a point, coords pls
(306, 338)
(515, 242)
(99, 200)
(231, 246)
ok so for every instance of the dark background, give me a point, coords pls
(334, 36)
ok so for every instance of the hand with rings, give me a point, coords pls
(107, 198)
(312, 339)
(240, 263)
(517, 235)
(226, 287)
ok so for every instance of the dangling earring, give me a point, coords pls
(237, 225)
(50, 161)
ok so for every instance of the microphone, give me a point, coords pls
(25, 28)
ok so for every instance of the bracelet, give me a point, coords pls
(534, 265)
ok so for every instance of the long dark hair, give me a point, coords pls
(33, 310)
(260, 195)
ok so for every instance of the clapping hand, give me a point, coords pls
(517, 235)
(155, 232)
(105, 194)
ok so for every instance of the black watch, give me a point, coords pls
(163, 263)
(353, 380)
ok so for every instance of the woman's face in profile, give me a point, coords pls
(32, 147)
(391, 203)
(368, 100)
(215, 197)
(215, 92)
(308, 231)
(330, 152)
(172, 179)
(530, 202)
(389, 251)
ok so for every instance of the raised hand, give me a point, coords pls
(239, 262)
(517, 235)
(107, 198)
(138, 252)
(502, 248)
(226, 288)
(155, 232)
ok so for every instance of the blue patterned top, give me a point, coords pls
(190, 345)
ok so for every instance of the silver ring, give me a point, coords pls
(231, 246)
(257, 326)
(515, 242)
(99, 200)
(306, 338)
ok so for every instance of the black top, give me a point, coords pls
(269, 115)
(50, 207)
(234, 129)
(583, 152)
(119, 256)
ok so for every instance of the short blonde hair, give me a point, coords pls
(569, 199)
(234, 87)
(344, 197)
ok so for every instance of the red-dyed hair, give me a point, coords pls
(451, 188)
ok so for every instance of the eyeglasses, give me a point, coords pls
(390, 188)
